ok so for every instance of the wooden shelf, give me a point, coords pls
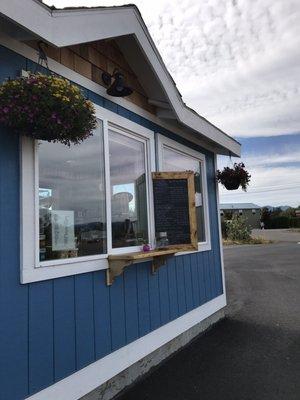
(118, 262)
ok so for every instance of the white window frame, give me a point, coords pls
(32, 269)
(163, 141)
(148, 141)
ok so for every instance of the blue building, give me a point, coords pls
(65, 329)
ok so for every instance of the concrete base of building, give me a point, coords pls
(129, 376)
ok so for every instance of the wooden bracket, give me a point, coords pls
(116, 268)
(157, 262)
(117, 263)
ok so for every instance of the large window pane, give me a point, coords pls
(72, 199)
(176, 161)
(128, 190)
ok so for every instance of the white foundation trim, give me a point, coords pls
(89, 378)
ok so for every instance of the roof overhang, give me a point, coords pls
(68, 27)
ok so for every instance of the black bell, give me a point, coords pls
(118, 87)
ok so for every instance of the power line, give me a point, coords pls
(264, 191)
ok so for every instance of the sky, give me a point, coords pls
(237, 63)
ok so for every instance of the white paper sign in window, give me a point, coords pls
(63, 232)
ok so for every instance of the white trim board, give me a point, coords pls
(68, 27)
(89, 378)
(220, 230)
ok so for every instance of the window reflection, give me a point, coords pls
(72, 219)
(176, 161)
(128, 190)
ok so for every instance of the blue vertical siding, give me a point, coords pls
(48, 330)
(131, 304)
(64, 328)
(101, 316)
(41, 346)
(154, 302)
(84, 317)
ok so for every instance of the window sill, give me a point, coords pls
(62, 269)
(201, 247)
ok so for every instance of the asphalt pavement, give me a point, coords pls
(254, 353)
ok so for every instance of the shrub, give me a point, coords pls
(279, 222)
(295, 222)
(237, 229)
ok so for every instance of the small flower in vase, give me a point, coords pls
(146, 247)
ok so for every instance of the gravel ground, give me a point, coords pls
(278, 235)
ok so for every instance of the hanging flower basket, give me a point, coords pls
(233, 178)
(46, 108)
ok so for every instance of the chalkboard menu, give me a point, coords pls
(174, 208)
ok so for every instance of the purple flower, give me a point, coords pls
(5, 110)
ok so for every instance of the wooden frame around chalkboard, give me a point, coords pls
(189, 176)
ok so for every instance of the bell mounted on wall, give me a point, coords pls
(117, 85)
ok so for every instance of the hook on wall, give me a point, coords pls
(42, 56)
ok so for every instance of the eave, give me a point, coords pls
(67, 27)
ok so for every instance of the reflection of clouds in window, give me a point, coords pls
(177, 161)
(128, 185)
(127, 188)
(75, 178)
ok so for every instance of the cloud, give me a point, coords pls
(273, 159)
(275, 179)
(235, 62)
(269, 186)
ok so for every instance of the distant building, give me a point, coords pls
(250, 211)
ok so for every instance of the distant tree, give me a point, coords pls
(276, 212)
(290, 212)
(266, 215)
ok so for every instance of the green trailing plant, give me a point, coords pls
(46, 107)
(233, 178)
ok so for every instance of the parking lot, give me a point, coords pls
(254, 353)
